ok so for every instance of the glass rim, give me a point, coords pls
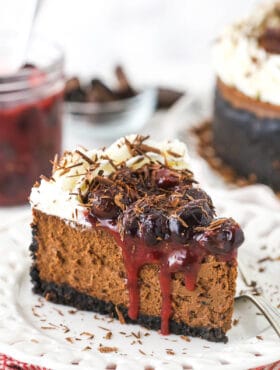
(19, 81)
(87, 108)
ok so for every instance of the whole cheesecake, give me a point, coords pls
(246, 122)
(127, 231)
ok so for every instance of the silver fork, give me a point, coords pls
(271, 313)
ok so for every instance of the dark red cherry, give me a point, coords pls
(130, 222)
(154, 228)
(179, 233)
(103, 205)
(166, 178)
(224, 239)
(196, 213)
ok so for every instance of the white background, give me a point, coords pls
(157, 40)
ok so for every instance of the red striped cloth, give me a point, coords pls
(8, 363)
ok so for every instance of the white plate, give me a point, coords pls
(46, 334)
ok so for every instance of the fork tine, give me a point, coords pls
(244, 273)
(271, 313)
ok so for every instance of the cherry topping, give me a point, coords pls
(195, 213)
(103, 205)
(130, 222)
(222, 240)
(166, 178)
(197, 193)
(179, 233)
(154, 228)
(151, 225)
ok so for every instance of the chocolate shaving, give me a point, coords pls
(268, 258)
(235, 322)
(110, 161)
(184, 337)
(54, 163)
(108, 335)
(104, 349)
(142, 352)
(216, 224)
(70, 340)
(78, 175)
(45, 178)
(102, 327)
(173, 154)
(58, 311)
(120, 315)
(84, 156)
(170, 352)
(147, 148)
(67, 169)
(35, 313)
(87, 348)
(136, 335)
(89, 335)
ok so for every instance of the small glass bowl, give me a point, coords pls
(98, 124)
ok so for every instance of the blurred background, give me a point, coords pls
(157, 45)
(157, 41)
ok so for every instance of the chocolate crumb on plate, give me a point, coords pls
(142, 352)
(108, 335)
(120, 315)
(102, 327)
(184, 337)
(235, 322)
(170, 352)
(87, 348)
(105, 349)
(88, 334)
(70, 339)
(48, 327)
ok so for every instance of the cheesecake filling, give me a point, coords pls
(149, 201)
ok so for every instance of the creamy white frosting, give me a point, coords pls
(58, 196)
(240, 62)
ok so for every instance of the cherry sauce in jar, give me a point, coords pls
(31, 102)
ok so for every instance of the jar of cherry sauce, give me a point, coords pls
(31, 102)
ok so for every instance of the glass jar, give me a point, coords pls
(31, 104)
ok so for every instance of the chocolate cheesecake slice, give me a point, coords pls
(246, 122)
(127, 231)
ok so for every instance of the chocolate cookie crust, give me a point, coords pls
(64, 294)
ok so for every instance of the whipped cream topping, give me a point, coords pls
(61, 194)
(241, 62)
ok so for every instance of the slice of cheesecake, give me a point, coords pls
(126, 231)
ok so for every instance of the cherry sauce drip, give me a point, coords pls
(172, 257)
